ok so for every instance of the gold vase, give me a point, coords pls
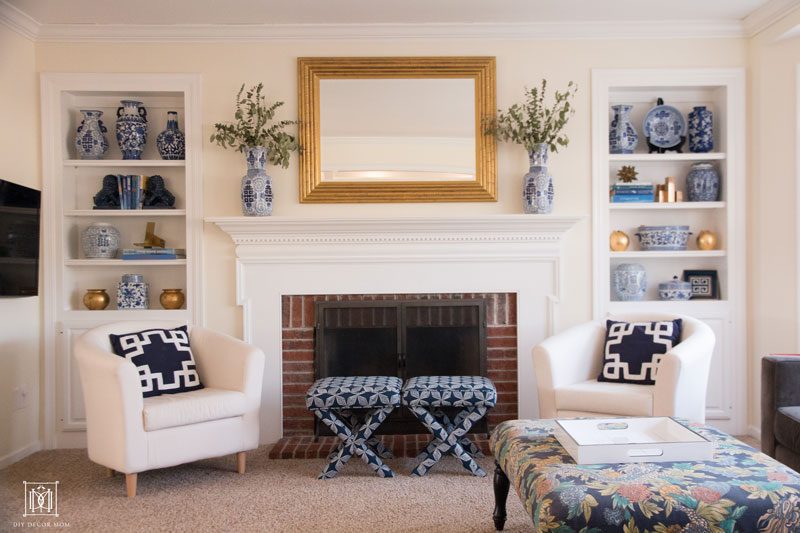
(619, 241)
(96, 299)
(706, 240)
(171, 298)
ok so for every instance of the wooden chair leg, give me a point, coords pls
(110, 472)
(241, 457)
(130, 484)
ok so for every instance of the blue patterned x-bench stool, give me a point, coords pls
(353, 408)
(425, 396)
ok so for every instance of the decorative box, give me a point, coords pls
(663, 238)
(631, 440)
(675, 290)
(133, 292)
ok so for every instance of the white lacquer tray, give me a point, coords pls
(631, 440)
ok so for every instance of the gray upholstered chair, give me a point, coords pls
(780, 408)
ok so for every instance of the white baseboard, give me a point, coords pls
(754, 432)
(20, 454)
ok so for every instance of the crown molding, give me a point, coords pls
(432, 31)
(767, 15)
(18, 21)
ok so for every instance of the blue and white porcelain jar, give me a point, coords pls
(131, 129)
(622, 137)
(703, 183)
(171, 142)
(100, 241)
(256, 185)
(701, 130)
(537, 184)
(675, 290)
(629, 282)
(133, 292)
(90, 139)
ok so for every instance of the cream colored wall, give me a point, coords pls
(20, 318)
(772, 200)
(519, 63)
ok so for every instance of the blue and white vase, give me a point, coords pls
(537, 184)
(171, 142)
(90, 139)
(100, 241)
(629, 282)
(622, 137)
(131, 129)
(133, 292)
(703, 183)
(701, 130)
(256, 185)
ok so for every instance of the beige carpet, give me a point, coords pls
(274, 495)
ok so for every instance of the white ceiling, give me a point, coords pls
(160, 12)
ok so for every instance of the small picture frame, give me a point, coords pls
(705, 284)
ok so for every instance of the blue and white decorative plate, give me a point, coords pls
(664, 126)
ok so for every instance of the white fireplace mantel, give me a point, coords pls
(278, 256)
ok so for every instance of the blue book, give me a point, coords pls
(632, 198)
(157, 257)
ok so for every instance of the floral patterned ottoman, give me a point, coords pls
(740, 490)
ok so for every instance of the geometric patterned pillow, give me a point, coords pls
(633, 350)
(163, 357)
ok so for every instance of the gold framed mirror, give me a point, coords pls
(396, 129)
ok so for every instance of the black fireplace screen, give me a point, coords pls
(403, 338)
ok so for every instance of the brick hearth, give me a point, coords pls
(298, 367)
(305, 447)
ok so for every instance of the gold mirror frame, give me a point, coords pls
(313, 190)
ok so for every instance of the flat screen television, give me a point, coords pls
(19, 239)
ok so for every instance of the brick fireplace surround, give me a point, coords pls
(297, 312)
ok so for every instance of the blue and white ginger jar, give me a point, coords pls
(133, 292)
(701, 130)
(131, 129)
(622, 137)
(537, 184)
(629, 282)
(256, 185)
(675, 290)
(100, 241)
(703, 183)
(90, 139)
(171, 142)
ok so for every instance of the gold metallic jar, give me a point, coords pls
(171, 298)
(619, 241)
(96, 299)
(707, 240)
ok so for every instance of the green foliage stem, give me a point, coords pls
(255, 126)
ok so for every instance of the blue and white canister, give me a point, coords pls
(171, 142)
(537, 184)
(133, 292)
(90, 138)
(622, 136)
(701, 130)
(100, 241)
(629, 282)
(131, 129)
(256, 185)
(703, 183)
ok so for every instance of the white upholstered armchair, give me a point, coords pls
(130, 434)
(567, 366)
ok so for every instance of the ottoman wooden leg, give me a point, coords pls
(501, 485)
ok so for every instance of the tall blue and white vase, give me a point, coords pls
(701, 130)
(90, 139)
(622, 136)
(256, 185)
(703, 183)
(537, 184)
(133, 292)
(629, 282)
(171, 142)
(131, 129)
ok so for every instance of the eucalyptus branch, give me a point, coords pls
(254, 125)
(533, 122)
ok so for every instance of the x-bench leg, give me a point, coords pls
(449, 441)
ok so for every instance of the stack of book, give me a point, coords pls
(134, 254)
(131, 191)
(632, 192)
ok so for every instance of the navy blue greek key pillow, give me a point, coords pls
(163, 357)
(633, 350)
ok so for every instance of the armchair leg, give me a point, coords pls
(241, 457)
(130, 484)
(110, 472)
